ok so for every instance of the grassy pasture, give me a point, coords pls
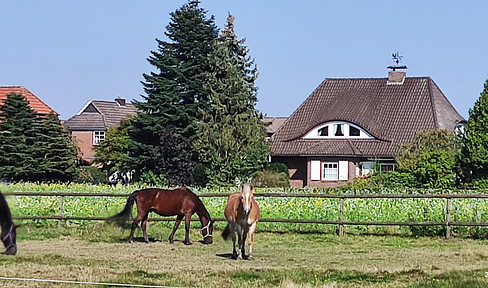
(99, 253)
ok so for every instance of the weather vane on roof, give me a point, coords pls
(397, 58)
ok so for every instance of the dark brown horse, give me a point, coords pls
(242, 214)
(180, 202)
(9, 230)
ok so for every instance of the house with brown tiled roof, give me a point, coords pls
(347, 127)
(35, 103)
(89, 126)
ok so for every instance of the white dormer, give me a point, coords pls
(337, 130)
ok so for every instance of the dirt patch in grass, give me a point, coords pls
(281, 260)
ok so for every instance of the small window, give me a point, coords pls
(387, 167)
(330, 171)
(324, 131)
(339, 129)
(98, 136)
(353, 131)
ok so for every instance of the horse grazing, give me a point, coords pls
(9, 230)
(242, 214)
(180, 202)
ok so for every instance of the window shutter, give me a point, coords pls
(343, 170)
(315, 170)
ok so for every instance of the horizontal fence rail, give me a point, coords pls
(340, 222)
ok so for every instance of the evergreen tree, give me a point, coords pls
(231, 141)
(475, 151)
(174, 98)
(58, 157)
(19, 131)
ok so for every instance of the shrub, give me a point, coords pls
(270, 179)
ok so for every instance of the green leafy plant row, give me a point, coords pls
(364, 210)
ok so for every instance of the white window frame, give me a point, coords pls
(98, 136)
(332, 129)
(330, 173)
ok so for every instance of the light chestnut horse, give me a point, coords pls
(242, 214)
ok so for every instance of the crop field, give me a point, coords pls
(286, 255)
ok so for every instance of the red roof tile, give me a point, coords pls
(35, 103)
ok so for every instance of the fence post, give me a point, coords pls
(448, 218)
(341, 218)
(61, 207)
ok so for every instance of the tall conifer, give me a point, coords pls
(231, 142)
(57, 152)
(163, 132)
(19, 131)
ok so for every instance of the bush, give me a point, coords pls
(270, 179)
(277, 167)
(91, 174)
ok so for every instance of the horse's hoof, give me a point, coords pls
(249, 257)
(130, 241)
(187, 242)
(171, 241)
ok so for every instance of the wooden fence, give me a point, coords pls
(340, 222)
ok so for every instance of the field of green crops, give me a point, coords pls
(380, 210)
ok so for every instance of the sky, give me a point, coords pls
(70, 52)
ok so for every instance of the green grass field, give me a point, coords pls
(99, 253)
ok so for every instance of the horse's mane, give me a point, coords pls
(5, 215)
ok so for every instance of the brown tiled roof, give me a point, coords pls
(392, 114)
(99, 114)
(273, 123)
(35, 103)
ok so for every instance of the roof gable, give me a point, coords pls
(35, 103)
(101, 114)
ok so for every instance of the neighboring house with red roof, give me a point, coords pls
(35, 103)
(89, 126)
(346, 127)
(273, 124)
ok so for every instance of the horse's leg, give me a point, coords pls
(241, 236)
(177, 223)
(134, 226)
(187, 229)
(144, 226)
(242, 243)
(232, 229)
(252, 229)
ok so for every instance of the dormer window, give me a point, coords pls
(337, 130)
(324, 131)
(353, 131)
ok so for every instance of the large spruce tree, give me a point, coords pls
(19, 135)
(231, 141)
(58, 159)
(164, 130)
(475, 152)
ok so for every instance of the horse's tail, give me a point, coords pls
(226, 232)
(122, 218)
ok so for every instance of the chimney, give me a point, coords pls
(396, 77)
(120, 101)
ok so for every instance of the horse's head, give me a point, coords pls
(246, 197)
(9, 240)
(207, 232)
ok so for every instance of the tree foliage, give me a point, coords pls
(431, 157)
(33, 149)
(59, 159)
(163, 131)
(475, 150)
(231, 136)
(112, 152)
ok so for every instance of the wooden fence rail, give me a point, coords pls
(340, 222)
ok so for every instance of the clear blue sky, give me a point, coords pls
(70, 52)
